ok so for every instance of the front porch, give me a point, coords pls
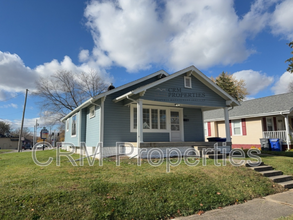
(282, 135)
(170, 149)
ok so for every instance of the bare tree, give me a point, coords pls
(64, 91)
(26, 133)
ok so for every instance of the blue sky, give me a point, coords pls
(127, 39)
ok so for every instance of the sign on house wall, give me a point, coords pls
(178, 94)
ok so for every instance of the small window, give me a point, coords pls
(92, 111)
(73, 125)
(187, 82)
(237, 127)
(270, 126)
(206, 129)
(67, 125)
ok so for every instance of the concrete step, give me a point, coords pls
(287, 184)
(280, 178)
(270, 173)
(262, 168)
(253, 164)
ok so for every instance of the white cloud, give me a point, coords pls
(255, 81)
(281, 86)
(11, 105)
(137, 34)
(281, 22)
(16, 77)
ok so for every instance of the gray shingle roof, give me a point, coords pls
(270, 105)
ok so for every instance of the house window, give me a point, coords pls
(206, 129)
(270, 125)
(187, 82)
(73, 125)
(92, 111)
(236, 127)
(67, 125)
(153, 119)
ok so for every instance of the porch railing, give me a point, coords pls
(276, 134)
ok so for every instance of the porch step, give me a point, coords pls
(270, 173)
(262, 168)
(253, 164)
(281, 178)
(287, 184)
(275, 175)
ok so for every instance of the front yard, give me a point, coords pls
(28, 191)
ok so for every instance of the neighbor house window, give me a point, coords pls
(270, 126)
(187, 82)
(206, 129)
(153, 119)
(73, 125)
(67, 125)
(236, 127)
(92, 111)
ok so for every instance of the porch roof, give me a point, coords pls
(266, 106)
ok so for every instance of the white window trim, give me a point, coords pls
(187, 77)
(168, 122)
(273, 126)
(67, 124)
(94, 115)
(232, 124)
(75, 126)
(205, 127)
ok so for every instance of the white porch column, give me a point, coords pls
(227, 127)
(139, 123)
(287, 132)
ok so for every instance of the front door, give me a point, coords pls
(280, 124)
(176, 129)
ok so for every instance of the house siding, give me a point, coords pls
(117, 120)
(205, 96)
(253, 132)
(93, 125)
(193, 128)
(68, 137)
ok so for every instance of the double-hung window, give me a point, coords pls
(153, 119)
(236, 127)
(73, 125)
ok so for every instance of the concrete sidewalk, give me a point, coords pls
(266, 208)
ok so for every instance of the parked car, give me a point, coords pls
(27, 146)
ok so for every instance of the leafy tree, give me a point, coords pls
(235, 88)
(5, 128)
(290, 60)
(64, 91)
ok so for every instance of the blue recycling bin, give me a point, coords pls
(275, 144)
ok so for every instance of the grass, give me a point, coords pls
(28, 191)
(5, 151)
(282, 163)
(279, 153)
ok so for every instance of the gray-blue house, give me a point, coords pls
(159, 110)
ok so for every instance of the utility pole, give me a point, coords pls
(23, 113)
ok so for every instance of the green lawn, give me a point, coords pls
(28, 191)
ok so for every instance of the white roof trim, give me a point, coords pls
(89, 101)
